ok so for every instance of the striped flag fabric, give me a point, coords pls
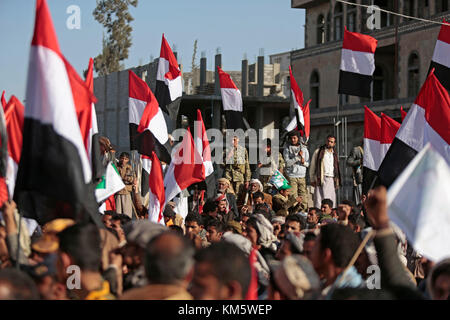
(3, 157)
(3, 100)
(92, 143)
(148, 129)
(14, 116)
(202, 145)
(428, 120)
(185, 169)
(403, 113)
(441, 56)
(54, 172)
(389, 128)
(357, 64)
(372, 148)
(169, 88)
(157, 196)
(301, 121)
(231, 101)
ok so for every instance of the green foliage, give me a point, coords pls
(115, 17)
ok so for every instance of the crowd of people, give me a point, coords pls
(250, 241)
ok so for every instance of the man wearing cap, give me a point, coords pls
(283, 203)
(248, 198)
(237, 167)
(296, 156)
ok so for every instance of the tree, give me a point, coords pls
(115, 17)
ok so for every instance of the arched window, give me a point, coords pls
(413, 75)
(314, 84)
(338, 29)
(320, 29)
(351, 17)
(379, 87)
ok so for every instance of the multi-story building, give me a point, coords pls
(402, 59)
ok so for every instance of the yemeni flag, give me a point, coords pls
(110, 183)
(157, 195)
(389, 128)
(92, 143)
(14, 116)
(231, 100)
(357, 64)
(301, 121)
(54, 171)
(403, 113)
(372, 148)
(202, 145)
(148, 129)
(169, 88)
(428, 120)
(441, 56)
(3, 100)
(185, 169)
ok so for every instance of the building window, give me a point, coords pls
(441, 6)
(379, 87)
(413, 75)
(314, 85)
(351, 17)
(328, 27)
(338, 21)
(320, 29)
(408, 8)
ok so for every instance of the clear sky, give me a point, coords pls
(238, 27)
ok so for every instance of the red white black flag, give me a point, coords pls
(156, 187)
(403, 113)
(54, 170)
(441, 56)
(389, 128)
(169, 88)
(428, 120)
(301, 121)
(372, 148)
(3, 100)
(231, 101)
(357, 64)
(185, 169)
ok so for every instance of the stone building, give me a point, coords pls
(403, 55)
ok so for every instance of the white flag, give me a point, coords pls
(419, 203)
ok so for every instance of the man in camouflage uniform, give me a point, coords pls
(237, 168)
(267, 170)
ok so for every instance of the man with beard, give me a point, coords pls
(324, 172)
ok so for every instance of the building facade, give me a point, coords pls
(403, 56)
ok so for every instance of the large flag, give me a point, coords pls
(185, 169)
(54, 171)
(110, 183)
(14, 116)
(301, 121)
(3, 100)
(231, 100)
(418, 203)
(92, 143)
(3, 158)
(156, 196)
(427, 120)
(148, 129)
(357, 64)
(441, 56)
(389, 128)
(202, 145)
(169, 88)
(372, 148)
(403, 113)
